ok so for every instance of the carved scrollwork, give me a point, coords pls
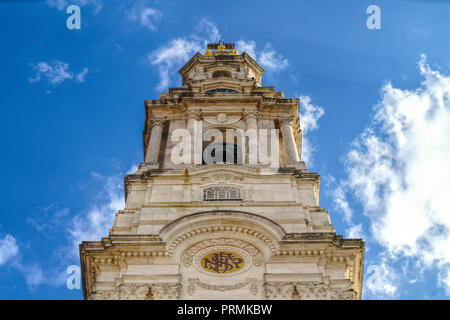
(278, 290)
(286, 121)
(166, 291)
(157, 122)
(133, 291)
(193, 114)
(249, 114)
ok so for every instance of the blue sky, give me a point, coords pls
(375, 106)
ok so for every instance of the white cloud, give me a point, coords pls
(34, 275)
(341, 203)
(63, 4)
(95, 222)
(272, 60)
(56, 72)
(171, 56)
(147, 17)
(381, 281)
(247, 46)
(8, 249)
(355, 232)
(89, 225)
(133, 169)
(81, 75)
(399, 171)
(206, 31)
(268, 57)
(178, 51)
(309, 116)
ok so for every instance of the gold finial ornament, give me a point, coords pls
(208, 53)
(234, 52)
(221, 46)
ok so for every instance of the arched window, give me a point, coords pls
(221, 194)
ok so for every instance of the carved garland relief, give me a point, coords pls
(307, 291)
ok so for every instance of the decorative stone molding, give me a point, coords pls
(278, 290)
(133, 291)
(195, 281)
(221, 178)
(251, 250)
(104, 295)
(222, 228)
(155, 291)
(221, 119)
(165, 291)
(249, 224)
(123, 292)
(307, 291)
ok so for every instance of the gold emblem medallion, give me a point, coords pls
(221, 262)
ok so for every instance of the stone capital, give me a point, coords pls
(157, 122)
(249, 114)
(193, 114)
(286, 121)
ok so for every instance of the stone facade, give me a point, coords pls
(224, 230)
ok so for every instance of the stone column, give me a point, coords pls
(251, 121)
(192, 117)
(154, 144)
(289, 142)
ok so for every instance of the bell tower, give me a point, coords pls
(223, 207)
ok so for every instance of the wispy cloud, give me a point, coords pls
(271, 59)
(172, 55)
(90, 224)
(33, 273)
(398, 170)
(146, 16)
(8, 249)
(63, 4)
(268, 57)
(356, 232)
(168, 57)
(49, 220)
(55, 73)
(81, 75)
(381, 280)
(309, 117)
(95, 222)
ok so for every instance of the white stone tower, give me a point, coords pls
(235, 218)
